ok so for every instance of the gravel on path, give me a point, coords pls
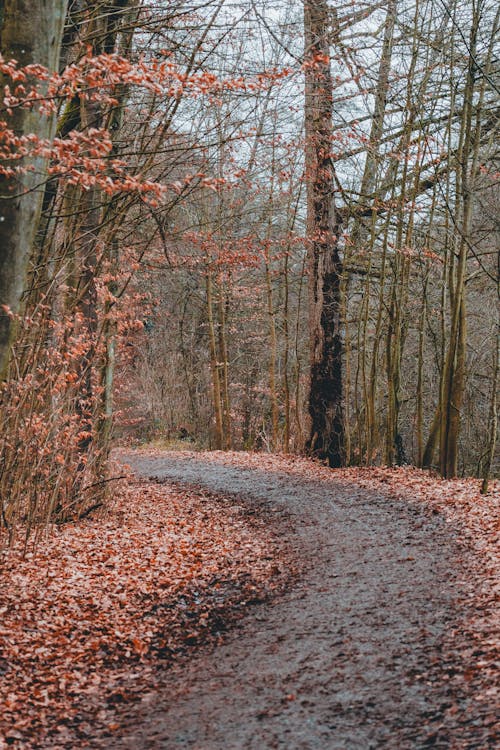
(359, 654)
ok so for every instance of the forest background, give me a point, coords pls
(248, 227)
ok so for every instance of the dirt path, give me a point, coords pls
(355, 656)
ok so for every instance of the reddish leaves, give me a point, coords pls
(83, 621)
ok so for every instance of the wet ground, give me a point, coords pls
(359, 653)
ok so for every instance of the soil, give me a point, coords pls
(364, 650)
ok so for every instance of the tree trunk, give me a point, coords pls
(453, 383)
(223, 361)
(326, 438)
(492, 421)
(214, 365)
(29, 33)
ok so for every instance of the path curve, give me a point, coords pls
(350, 658)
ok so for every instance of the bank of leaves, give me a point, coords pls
(87, 617)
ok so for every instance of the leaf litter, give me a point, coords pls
(87, 617)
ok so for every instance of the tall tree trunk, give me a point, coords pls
(326, 438)
(214, 365)
(492, 420)
(453, 381)
(223, 361)
(273, 350)
(29, 33)
(101, 27)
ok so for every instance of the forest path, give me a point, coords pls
(354, 656)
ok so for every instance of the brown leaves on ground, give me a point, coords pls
(475, 521)
(85, 618)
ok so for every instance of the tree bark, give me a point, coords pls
(326, 437)
(29, 33)
(214, 365)
(492, 421)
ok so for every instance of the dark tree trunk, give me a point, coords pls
(326, 439)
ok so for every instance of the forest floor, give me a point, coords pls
(235, 601)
